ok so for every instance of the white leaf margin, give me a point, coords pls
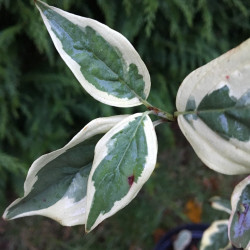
(217, 153)
(227, 157)
(114, 38)
(206, 240)
(65, 211)
(100, 153)
(217, 203)
(227, 70)
(239, 188)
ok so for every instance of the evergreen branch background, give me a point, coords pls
(42, 105)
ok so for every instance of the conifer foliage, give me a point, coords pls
(40, 107)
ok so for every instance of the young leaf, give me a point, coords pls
(215, 100)
(104, 62)
(56, 183)
(239, 223)
(124, 160)
(221, 204)
(215, 237)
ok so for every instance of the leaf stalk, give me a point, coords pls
(159, 112)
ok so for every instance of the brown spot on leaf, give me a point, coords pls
(131, 180)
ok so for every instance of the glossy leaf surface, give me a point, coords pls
(56, 183)
(103, 61)
(239, 227)
(124, 160)
(215, 100)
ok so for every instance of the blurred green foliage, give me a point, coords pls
(42, 105)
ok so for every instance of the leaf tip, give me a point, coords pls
(87, 229)
(5, 216)
(90, 225)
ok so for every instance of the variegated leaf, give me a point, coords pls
(239, 223)
(215, 100)
(56, 183)
(221, 204)
(215, 237)
(124, 160)
(104, 62)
